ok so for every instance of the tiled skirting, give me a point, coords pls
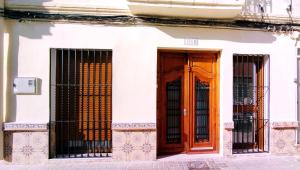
(283, 138)
(134, 141)
(227, 138)
(25, 143)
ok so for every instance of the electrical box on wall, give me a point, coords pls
(26, 85)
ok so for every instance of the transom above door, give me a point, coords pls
(187, 100)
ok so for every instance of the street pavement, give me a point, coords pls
(177, 162)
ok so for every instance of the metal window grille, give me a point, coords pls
(81, 103)
(174, 111)
(201, 111)
(250, 104)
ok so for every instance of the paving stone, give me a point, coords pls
(249, 162)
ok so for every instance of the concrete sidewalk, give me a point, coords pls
(178, 162)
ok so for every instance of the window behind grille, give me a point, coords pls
(81, 103)
(250, 103)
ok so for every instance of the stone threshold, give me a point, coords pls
(80, 160)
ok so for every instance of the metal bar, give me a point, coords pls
(234, 97)
(106, 101)
(243, 92)
(248, 102)
(253, 97)
(94, 116)
(100, 103)
(75, 101)
(258, 95)
(110, 100)
(238, 111)
(262, 101)
(238, 103)
(68, 106)
(88, 103)
(81, 97)
(62, 103)
(174, 117)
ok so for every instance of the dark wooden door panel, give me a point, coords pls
(171, 90)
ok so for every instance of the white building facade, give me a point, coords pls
(136, 79)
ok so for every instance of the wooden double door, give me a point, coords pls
(187, 112)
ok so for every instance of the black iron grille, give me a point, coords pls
(174, 111)
(81, 103)
(250, 101)
(202, 111)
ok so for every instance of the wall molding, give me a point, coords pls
(193, 2)
(228, 125)
(285, 125)
(92, 7)
(13, 126)
(24, 16)
(133, 126)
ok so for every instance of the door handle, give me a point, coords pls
(184, 112)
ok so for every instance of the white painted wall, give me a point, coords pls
(134, 65)
(2, 28)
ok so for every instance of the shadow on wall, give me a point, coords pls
(18, 29)
(239, 36)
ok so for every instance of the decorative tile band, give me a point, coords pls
(283, 141)
(26, 147)
(285, 125)
(133, 126)
(228, 125)
(134, 145)
(12, 126)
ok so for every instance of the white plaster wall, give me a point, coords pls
(279, 6)
(134, 65)
(2, 28)
(134, 69)
(134, 61)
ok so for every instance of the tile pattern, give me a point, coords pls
(25, 147)
(134, 145)
(227, 142)
(283, 141)
(227, 138)
(12, 126)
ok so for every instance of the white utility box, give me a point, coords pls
(25, 85)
